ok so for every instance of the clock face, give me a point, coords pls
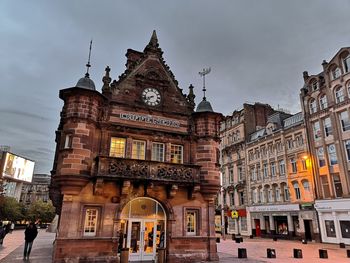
(151, 96)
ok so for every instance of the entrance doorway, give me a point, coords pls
(257, 227)
(143, 228)
(308, 230)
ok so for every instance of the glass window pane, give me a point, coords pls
(117, 148)
(330, 228)
(138, 150)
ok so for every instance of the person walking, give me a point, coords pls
(2, 233)
(29, 235)
(12, 227)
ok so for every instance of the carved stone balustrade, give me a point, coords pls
(130, 169)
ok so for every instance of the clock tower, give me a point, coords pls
(136, 168)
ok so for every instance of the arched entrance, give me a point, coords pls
(143, 222)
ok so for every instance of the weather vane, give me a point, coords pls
(204, 72)
(88, 63)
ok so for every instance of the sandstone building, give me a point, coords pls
(136, 167)
(325, 100)
(234, 132)
(280, 182)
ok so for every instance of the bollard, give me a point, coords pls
(348, 253)
(242, 239)
(271, 253)
(238, 240)
(218, 240)
(124, 255)
(342, 245)
(274, 238)
(251, 236)
(233, 237)
(242, 253)
(304, 241)
(297, 253)
(323, 253)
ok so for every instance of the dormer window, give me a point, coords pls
(314, 85)
(339, 94)
(313, 107)
(335, 73)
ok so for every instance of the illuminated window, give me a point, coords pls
(158, 152)
(176, 153)
(117, 148)
(191, 222)
(90, 223)
(138, 150)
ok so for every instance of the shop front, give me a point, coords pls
(334, 218)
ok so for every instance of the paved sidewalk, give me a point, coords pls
(12, 251)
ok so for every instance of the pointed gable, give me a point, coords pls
(149, 83)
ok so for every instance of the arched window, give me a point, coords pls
(339, 94)
(346, 62)
(323, 102)
(312, 106)
(314, 85)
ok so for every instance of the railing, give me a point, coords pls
(122, 168)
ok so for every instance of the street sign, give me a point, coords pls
(234, 214)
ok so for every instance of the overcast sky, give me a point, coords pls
(257, 51)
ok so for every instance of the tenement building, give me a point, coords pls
(136, 167)
(325, 100)
(280, 180)
(234, 132)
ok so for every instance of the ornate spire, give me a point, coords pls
(191, 96)
(88, 65)
(153, 45)
(106, 80)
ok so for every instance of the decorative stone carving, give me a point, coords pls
(172, 191)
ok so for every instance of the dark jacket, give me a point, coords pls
(30, 233)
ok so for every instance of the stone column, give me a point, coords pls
(272, 225)
(290, 225)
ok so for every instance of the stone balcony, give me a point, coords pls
(144, 170)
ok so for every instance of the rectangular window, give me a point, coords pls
(191, 222)
(347, 149)
(325, 186)
(240, 174)
(293, 164)
(346, 63)
(261, 196)
(255, 198)
(320, 157)
(230, 174)
(244, 226)
(345, 228)
(273, 169)
(158, 152)
(332, 154)
(176, 153)
(90, 222)
(303, 163)
(138, 150)
(286, 193)
(327, 126)
(336, 73)
(344, 120)
(258, 174)
(330, 228)
(337, 185)
(297, 191)
(265, 170)
(68, 141)
(117, 148)
(269, 196)
(277, 194)
(232, 199)
(316, 130)
(241, 198)
(282, 167)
